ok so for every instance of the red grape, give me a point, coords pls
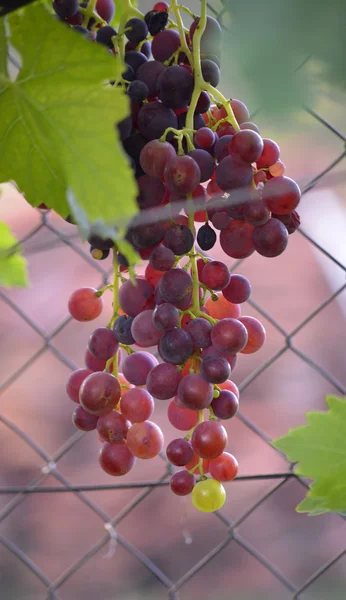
(163, 380)
(74, 382)
(105, 9)
(165, 316)
(222, 308)
(84, 420)
(246, 146)
(204, 138)
(84, 305)
(209, 439)
(116, 459)
(133, 299)
(231, 174)
(215, 275)
(240, 110)
(161, 6)
(112, 427)
(229, 335)
(175, 346)
(236, 241)
(281, 195)
(152, 191)
(137, 405)
(99, 393)
(152, 275)
(175, 286)
(102, 344)
(200, 330)
(256, 213)
(231, 386)
(145, 440)
(182, 483)
(215, 369)
(154, 157)
(92, 363)
(238, 289)
(162, 259)
(137, 366)
(144, 331)
(182, 174)
(179, 452)
(224, 467)
(165, 44)
(270, 154)
(195, 392)
(226, 405)
(256, 334)
(181, 418)
(270, 239)
(291, 221)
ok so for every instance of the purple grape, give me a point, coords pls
(175, 346)
(163, 380)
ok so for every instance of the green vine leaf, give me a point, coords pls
(12, 265)
(319, 448)
(58, 118)
(286, 52)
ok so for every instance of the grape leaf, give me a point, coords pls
(320, 450)
(2, 49)
(12, 265)
(286, 51)
(58, 117)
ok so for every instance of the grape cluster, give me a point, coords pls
(197, 348)
(215, 155)
(198, 156)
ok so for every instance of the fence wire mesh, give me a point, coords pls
(49, 480)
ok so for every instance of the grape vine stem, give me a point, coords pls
(175, 9)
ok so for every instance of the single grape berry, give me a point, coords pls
(102, 343)
(84, 305)
(209, 439)
(65, 8)
(156, 20)
(238, 290)
(137, 30)
(179, 452)
(74, 382)
(208, 495)
(226, 405)
(116, 459)
(145, 440)
(105, 34)
(122, 330)
(84, 420)
(206, 237)
(137, 91)
(112, 427)
(179, 239)
(99, 393)
(182, 483)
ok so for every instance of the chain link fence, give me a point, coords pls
(50, 480)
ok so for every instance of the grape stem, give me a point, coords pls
(90, 12)
(128, 11)
(175, 9)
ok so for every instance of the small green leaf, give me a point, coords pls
(319, 448)
(57, 127)
(12, 265)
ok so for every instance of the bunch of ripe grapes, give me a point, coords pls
(199, 159)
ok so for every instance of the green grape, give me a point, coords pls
(208, 495)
